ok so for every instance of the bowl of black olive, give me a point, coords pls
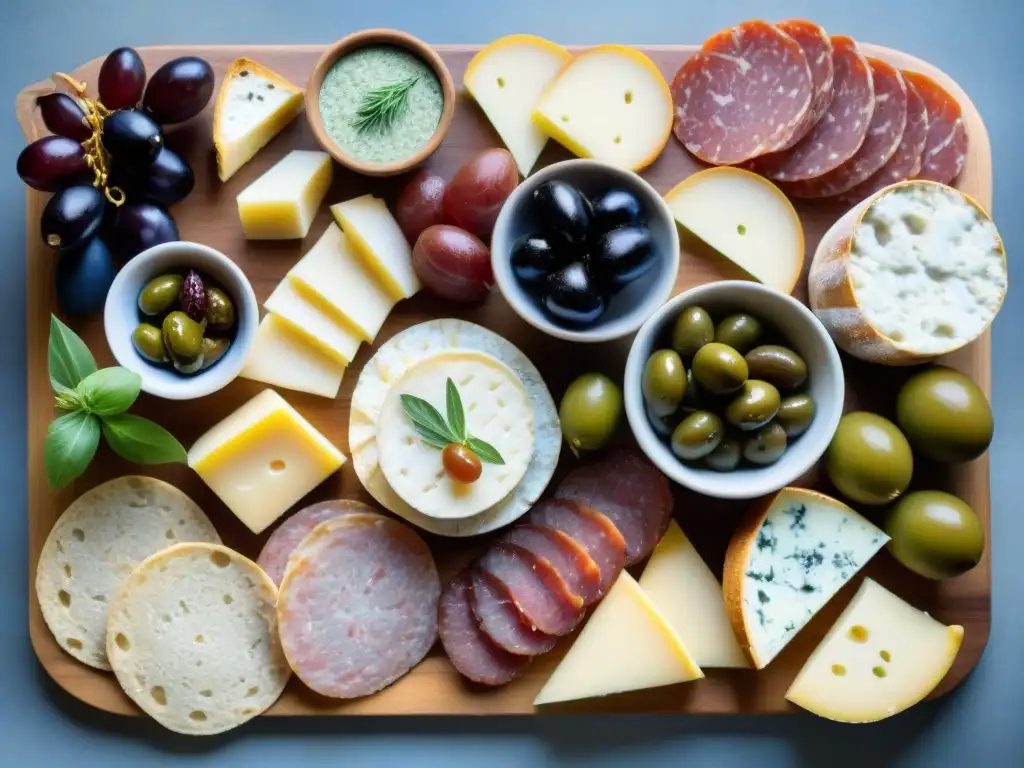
(585, 251)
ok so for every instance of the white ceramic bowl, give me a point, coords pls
(805, 335)
(635, 303)
(121, 316)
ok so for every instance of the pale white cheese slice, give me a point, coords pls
(283, 357)
(337, 340)
(380, 242)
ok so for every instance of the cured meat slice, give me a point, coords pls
(357, 607)
(945, 151)
(498, 617)
(839, 134)
(630, 491)
(885, 132)
(591, 530)
(746, 92)
(468, 648)
(817, 47)
(577, 569)
(536, 589)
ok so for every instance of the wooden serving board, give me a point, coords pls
(209, 216)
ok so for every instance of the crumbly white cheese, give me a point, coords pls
(250, 100)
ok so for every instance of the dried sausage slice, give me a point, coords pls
(498, 617)
(946, 149)
(744, 93)
(569, 559)
(591, 530)
(817, 47)
(536, 589)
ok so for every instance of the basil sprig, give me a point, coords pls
(434, 430)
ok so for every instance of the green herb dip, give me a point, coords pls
(356, 73)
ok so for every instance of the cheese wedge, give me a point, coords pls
(881, 657)
(627, 645)
(506, 78)
(745, 218)
(281, 204)
(689, 596)
(380, 242)
(283, 357)
(337, 340)
(609, 103)
(253, 105)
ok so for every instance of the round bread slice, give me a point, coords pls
(96, 543)
(193, 640)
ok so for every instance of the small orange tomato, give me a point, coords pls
(461, 463)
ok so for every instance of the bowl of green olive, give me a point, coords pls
(183, 316)
(733, 389)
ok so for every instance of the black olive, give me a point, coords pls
(563, 211)
(615, 208)
(131, 137)
(621, 256)
(571, 296)
(535, 256)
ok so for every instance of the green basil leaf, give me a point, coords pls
(68, 400)
(423, 414)
(109, 391)
(434, 439)
(484, 451)
(70, 444)
(70, 360)
(141, 440)
(456, 415)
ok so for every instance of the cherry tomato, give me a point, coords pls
(453, 264)
(420, 204)
(476, 193)
(461, 464)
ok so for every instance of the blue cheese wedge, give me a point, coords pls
(786, 561)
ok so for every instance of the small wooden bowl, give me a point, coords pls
(360, 40)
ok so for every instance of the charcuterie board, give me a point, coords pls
(434, 687)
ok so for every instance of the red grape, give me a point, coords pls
(420, 204)
(179, 90)
(479, 189)
(72, 216)
(53, 162)
(64, 116)
(122, 79)
(453, 264)
(138, 226)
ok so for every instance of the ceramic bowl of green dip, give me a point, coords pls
(379, 101)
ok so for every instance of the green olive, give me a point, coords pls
(741, 332)
(590, 412)
(726, 457)
(693, 329)
(149, 343)
(693, 398)
(664, 382)
(934, 534)
(754, 406)
(944, 415)
(779, 365)
(869, 459)
(795, 415)
(220, 310)
(718, 368)
(697, 435)
(664, 425)
(183, 338)
(765, 446)
(213, 350)
(160, 294)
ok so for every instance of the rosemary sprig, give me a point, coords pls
(382, 106)
(435, 431)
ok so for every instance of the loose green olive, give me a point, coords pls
(766, 445)
(183, 338)
(149, 343)
(741, 332)
(755, 405)
(869, 459)
(718, 368)
(220, 310)
(213, 350)
(726, 457)
(697, 435)
(934, 534)
(780, 366)
(795, 415)
(590, 412)
(693, 329)
(944, 415)
(664, 382)
(160, 294)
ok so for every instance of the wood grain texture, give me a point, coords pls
(209, 216)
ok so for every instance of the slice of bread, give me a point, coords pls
(96, 543)
(253, 105)
(193, 640)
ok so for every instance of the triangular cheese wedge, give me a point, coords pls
(626, 646)
(253, 105)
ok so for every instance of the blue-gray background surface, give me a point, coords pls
(978, 42)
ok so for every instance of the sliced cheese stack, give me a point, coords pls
(380, 242)
(281, 204)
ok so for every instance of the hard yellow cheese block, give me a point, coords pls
(262, 459)
(283, 357)
(324, 331)
(380, 242)
(881, 657)
(689, 596)
(281, 204)
(627, 645)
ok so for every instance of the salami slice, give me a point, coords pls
(536, 589)
(885, 132)
(591, 530)
(817, 47)
(498, 617)
(468, 648)
(569, 559)
(839, 134)
(357, 607)
(744, 93)
(945, 151)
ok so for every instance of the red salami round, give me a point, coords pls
(538, 592)
(594, 532)
(817, 47)
(744, 93)
(569, 559)
(498, 617)
(945, 151)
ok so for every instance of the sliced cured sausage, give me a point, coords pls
(817, 47)
(577, 569)
(839, 134)
(588, 528)
(945, 152)
(630, 491)
(357, 607)
(888, 121)
(498, 617)
(469, 649)
(536, 589)
(746, 92)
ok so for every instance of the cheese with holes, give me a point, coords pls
(881, 657)
(689, 596)
(627, 645)
(506, 78)
(746, 219)
(283, 357)
(281, 204)
(338, 341)
(610, 103)
(262, 459)
(915, 271)
(497, 410)
(786, 560)
(380, 242)
(253, 105)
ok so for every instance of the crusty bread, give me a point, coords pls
(98, 540)
(192, 638)
(736, 556)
